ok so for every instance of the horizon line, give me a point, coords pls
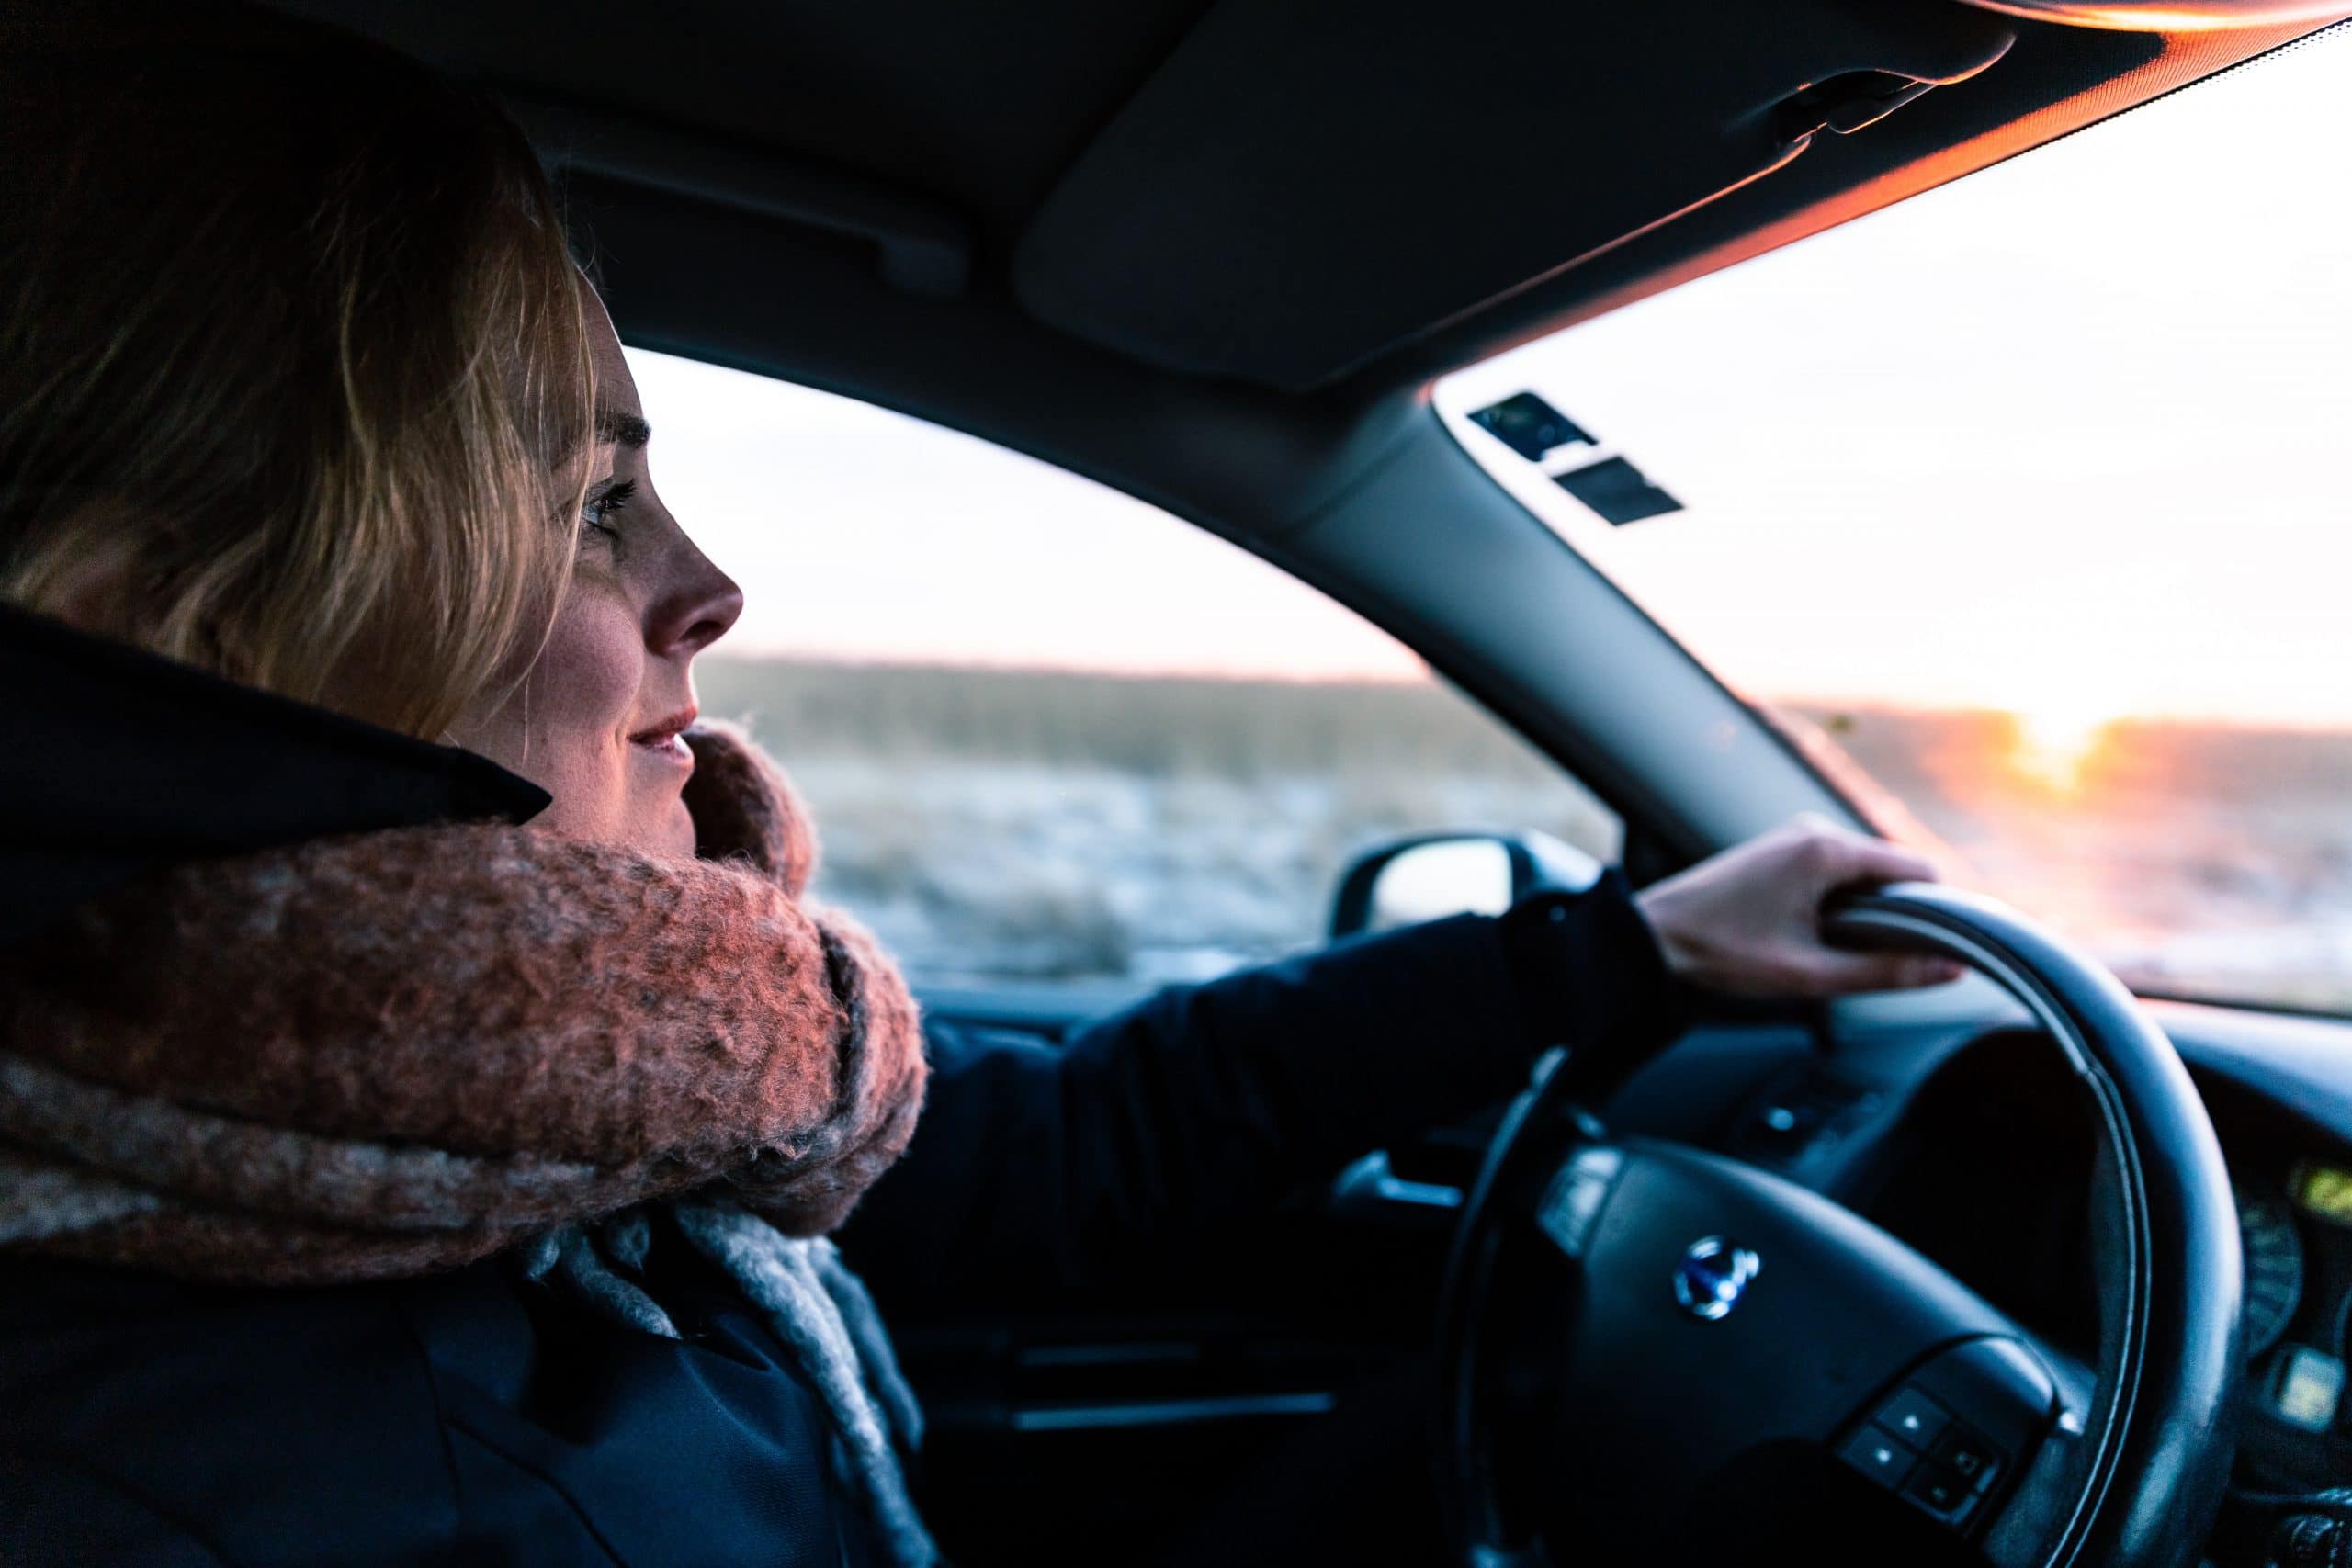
(1248, 675)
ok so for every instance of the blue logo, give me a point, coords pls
(1713, 1276)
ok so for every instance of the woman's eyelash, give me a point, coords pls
(598, 512)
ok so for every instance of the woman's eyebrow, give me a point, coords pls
(617, 428)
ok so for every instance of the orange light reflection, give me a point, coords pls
(2054, 747)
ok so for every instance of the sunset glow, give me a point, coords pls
(2057, 745)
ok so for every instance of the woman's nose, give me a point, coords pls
(701, 603)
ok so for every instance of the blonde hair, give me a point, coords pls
(290, 340)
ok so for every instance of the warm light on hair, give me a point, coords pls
(294, 375)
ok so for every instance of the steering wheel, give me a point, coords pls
(1653, 1353)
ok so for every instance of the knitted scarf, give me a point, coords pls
(393, 1053)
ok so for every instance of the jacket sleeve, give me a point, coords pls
(53, 1512)
(1037, 1167)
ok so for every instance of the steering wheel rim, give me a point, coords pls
(2139, 1486)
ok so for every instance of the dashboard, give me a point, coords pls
(1974, 1144)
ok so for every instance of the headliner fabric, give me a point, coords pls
(1305, 183)
(979, 106)
(1291, 193)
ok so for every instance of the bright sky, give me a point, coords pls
(862, 534)
(2068, 436)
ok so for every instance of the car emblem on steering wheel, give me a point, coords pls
(1713, 1276)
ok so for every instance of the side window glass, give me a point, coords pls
(1049, 732)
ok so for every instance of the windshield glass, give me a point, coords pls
(2033, 496)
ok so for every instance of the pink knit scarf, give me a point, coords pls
(399, 1052)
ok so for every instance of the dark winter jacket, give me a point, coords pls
(475, 1415)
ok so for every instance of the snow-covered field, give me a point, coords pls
(1051, 827)
(1047, 826)
(977, 868)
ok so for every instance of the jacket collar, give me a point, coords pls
(115, 764)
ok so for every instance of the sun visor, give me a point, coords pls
(1303, 184)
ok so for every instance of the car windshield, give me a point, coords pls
(2027, 504)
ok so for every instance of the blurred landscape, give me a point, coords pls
(1050, 826)
(1054, 826)
(2197, 859)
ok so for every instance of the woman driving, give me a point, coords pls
(427, 1096)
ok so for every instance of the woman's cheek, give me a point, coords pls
(593, 665)
(583, 698)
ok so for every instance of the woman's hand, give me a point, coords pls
(1748, 921)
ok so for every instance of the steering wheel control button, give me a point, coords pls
(1571, 1202)
(1913, 1417)
(1941, 1490)
(1878, 1457)
(1969, 1456)
(2307, 1388)
(1713, 1274)
(1799, 1118)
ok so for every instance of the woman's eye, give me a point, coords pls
(597, 514)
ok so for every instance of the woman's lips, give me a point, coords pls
(667, 739)
(672, 748)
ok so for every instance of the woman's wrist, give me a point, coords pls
(1591, 972)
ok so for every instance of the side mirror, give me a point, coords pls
(1435, 874)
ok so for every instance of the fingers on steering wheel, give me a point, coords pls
(1847, 858)
(1832, 973)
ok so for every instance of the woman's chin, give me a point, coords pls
(670, 833)
(659, 820)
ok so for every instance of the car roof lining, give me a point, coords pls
(694, 266)
(1305, 185)
(2059, 103)
(1126, 177)
(977, 108)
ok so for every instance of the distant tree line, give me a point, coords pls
(1150, 726)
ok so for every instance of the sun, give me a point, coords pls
(2055, 743)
